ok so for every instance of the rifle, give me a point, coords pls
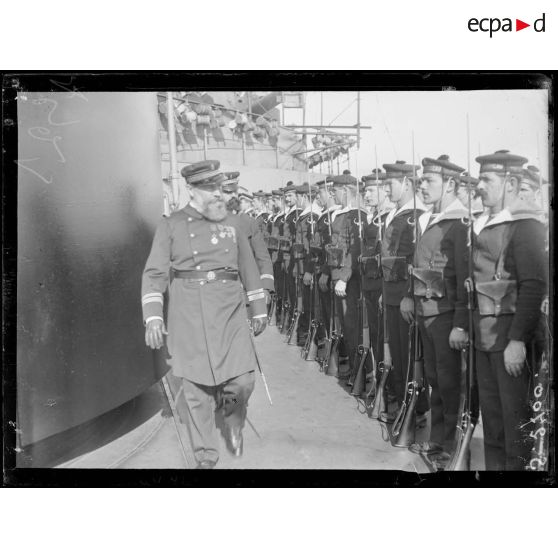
(379, 403)
(310, 351)
(284, 247)
(403, 430)
(364, 350)
(285, 307)
(293, 327)
(311, 298)
(468, 404)
(330, 363)
(406, 420)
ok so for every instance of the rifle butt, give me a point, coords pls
(312, 346)
(286, 320)
(291, 336)
(333, 361)
(406, 435)
(324, 361)
(359, 381)
(379, 403)
(461, 459)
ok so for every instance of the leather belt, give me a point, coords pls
(206, 275)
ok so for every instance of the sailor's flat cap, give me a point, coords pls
(306, 189)
(370, 179)
(344, 179)
(290, 187)
(328, 181)
(502, 161)
(276, 192)
(442, 165)
(400, 169)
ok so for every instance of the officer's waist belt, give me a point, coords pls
(196, 275)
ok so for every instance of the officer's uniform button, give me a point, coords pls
(226, 249)
(198, 267)
(192, 235)
(202, 282)
(195, 252)
(189, 219)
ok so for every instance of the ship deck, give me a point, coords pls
(314, 423)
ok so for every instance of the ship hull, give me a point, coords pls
(89, 196)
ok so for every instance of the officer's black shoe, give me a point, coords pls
(206, 464)
(235, 441)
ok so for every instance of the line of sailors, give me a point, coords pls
(326, 262)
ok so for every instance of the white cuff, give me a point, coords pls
(260, 316)
(151, 318)
(151, 297)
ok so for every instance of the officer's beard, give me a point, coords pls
(233, 205)
(215, 210)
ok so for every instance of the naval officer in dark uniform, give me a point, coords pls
(202, 251)
(510, 283)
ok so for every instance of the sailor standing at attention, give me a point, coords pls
(438, 300)
(207, 259)
(510, 284)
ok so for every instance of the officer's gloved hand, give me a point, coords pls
(407, 308)
(258, 325)
(267, 296)
(154, 332)
(307, 279)
(322, 282)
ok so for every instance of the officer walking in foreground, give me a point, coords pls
(203, 252)
(439, 300)
(510, 283)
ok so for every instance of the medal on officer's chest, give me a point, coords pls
(214, 239)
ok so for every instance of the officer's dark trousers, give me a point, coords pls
(375, 323)
(442, 366)
(398, 335)
(201, 401)
(347, 310)
(504, 403)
